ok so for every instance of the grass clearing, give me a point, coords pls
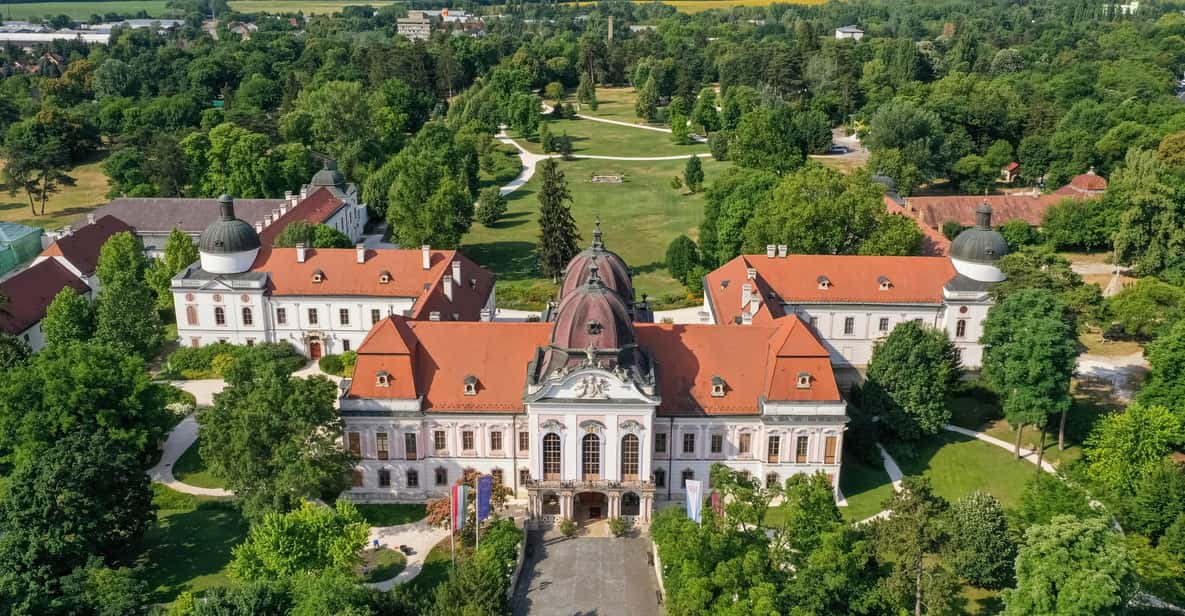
(189, 547)
(436, 568)
(64, 207)
(866, 488)
(392, 514)
(639, 218)
(594, 138)
(958, 465)
(1093, 342)
(612, 104)
(191, 469)
(381, 565)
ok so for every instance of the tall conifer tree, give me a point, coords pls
(558, 234)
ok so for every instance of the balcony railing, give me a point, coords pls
(586, 485)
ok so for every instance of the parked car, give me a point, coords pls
(838, 149)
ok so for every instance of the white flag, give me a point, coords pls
(695, 499)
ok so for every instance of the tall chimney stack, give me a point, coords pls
(361, 253)
(300, 253)
(427, 256)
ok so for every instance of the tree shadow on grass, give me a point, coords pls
(185, 545)
(509, 260)
(510, 220)
(649, 267)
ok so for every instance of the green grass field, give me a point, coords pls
(959, 465)
(392, 514)
(866, 488)
(381, 565)
(64, 207)
(601, 139)
(612, 104)
(191, 469)
(189, 547)
(435, 569)
(639, 218)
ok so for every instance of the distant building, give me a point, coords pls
(18, 243)
(849, 32)
(417, 26)
(1010, 173)
(936, 210)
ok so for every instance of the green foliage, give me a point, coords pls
(682, 258)
(909, 377)
(1165, 384)
(909, 143)
(1046, 497)
(1159, 497)
(1037, 267)
(122, 255)
(312, 236)
(69, 318)
(35, 161)
(731, 202)
(910, 537)
(298, 458)
(310, 539)
(433, 186)
(704, 114)
(567, 527)
(491, 205)
(180, 253)
(680, 132)
(1127, 446)
(1160, 571)
(1019, 233)
(974, 175)
(126, 317)
(1071, 566)
(1151, 224)
(811, 512)
(981, 548)
(895, 235)
(330, 364)
(693, 174)
(777, 139)
(718, 144)
(13, 351)
(546, 139)
(348, 123)
(951, 229)
(1148, 308)
(1082, 224)
(116, 592)
(646, 103)
(557, 229)
(618, 527)
(199, 361)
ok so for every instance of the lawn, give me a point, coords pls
(612, 104)
(958, 465)
(189, 547)
(639, 218)
(866, 488)
(64, 207)
(191, 469)
(594, 138)
(436, 568)
(381, 565)
(392, 514)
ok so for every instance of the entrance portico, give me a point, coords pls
(549, 502)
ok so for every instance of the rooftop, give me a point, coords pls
(81, 247)
(30, 292)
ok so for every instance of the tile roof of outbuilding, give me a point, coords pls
(81, 248)
(161, 215)
(31, 291)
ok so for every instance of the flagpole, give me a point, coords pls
(452, 523)
(476, 511)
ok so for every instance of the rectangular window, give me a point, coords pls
(219, 315)
(660, 442)
(413, 478)
(384, 478)
(495, 441)
(467, 440)
(441, 476)
(800, 449)
(355, 443)
(660, 478)
(312, 316)
(717, 443)
(250, 342)
(746, 444)
(380, 443)
(376, 315)
(689, 442)
(687, 475)
(497, 475)
(524, 476)
(409, 446)
(849, 326)
(344, 316)
(524, 441)
(345, 345)
(883, 325)
(438, 441)
(282, 316)
(829, 449)
(775, 449)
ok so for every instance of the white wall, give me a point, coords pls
(856, 348)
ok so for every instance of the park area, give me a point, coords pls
(159, 8)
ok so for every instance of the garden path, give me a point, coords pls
(419, 536)
(180, 439)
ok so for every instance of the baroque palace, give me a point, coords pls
(594, 411)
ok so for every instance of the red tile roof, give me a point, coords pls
(30, 292)
(938, 210)
(81, 248)
(1089, 181)
(934, 243)
(431, 360)
(316, 208)
(852, 279)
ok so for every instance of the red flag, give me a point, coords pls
(717, 506)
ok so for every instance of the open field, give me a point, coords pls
(639, 218)
(958, 465)
(600, 139)
(612, 104)
(63, 207)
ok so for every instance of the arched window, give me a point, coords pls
(960, 328)
(590, 451)
(630, 504)
(248, 319)
(219, 315)
(191, 315)
(629, 458)
(551, 456)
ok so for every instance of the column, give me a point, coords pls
(644, 509)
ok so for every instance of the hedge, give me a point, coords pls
(209, 362)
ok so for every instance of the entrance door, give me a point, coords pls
(314, 350)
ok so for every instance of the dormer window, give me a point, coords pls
(383, 378)
(884, 282)
(824, 282)
(318, 276)
(385, 277)
(804, 380)
(717, 387)
(470, 385)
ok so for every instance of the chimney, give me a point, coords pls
(300, 253)
(67, 230)
(258, 227)
(287, 195)
(277, 213)
(448, 287)
(90, 219)
(434, 316)
(783, 250)
(746, 293)
(754, 304)
(751, 273)
(770, 251)
(361, 253)
(427, 256)
(457, 272)
(304, 193)
(267, 220)
(487, 315)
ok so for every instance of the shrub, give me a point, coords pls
(204, 363)
(951, 229)
(349, 359)
(718, 144)
(331, 364)
(618, 527)
(568, 527)
(682, 257)
(221, 363)
(491, 205)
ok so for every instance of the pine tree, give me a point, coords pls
(546, 140)
(557, 229)
(693, 174)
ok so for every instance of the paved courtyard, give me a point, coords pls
(586, 577)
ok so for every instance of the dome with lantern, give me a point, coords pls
(229, 245)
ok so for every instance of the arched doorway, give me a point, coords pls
(590, 506)
(314, 350)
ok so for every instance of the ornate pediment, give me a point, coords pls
(552, 425)
(632, 427)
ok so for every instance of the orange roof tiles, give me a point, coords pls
(934, 243)
(81, 248)
(936, 211)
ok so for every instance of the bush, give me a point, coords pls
(568, 527)
(205, 363)
(981, 549)
(682, 257)
(618, 527)
(330, 364)
(491, 205)
(951, 229)
(221, 363)
(349, 359)
(718, 144)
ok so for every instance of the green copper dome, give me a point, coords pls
(228, 235)
(980, 244)
(328, 176)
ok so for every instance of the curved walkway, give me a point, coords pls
(660, 129)
(180, 439)
(895, 476)
(1027, 454)
(419, 536)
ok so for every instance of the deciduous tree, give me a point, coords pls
(693, 174)
(180, 253)
(682, 257)
(69, 318)
(981, 548)
(1126, 446)
(310, 539)
(13, 351)
(909, 376)
(491, 205)
(910, 537)
(1148, 308)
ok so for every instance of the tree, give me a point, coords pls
(1038, 267)
(1019, 234)
(554, 91)
(85, 497)
(274, 438)
(679, 129)
(180, 253)
(704, 113)
(1029, 357)
(682, 257)
(1046, 497)
(916, 134)
(557, 230)
(35, 161)
(126, 317)
(910, 537)
(896, 235)
(1071, 566)
(1126, 447)
(981, 548)
(811, 512)
(491, 205)
(909, 376)
(1158, 499)
(69, 318)
(693, 174)
(238, 162)
(122, 255)
(841, 576)
(586, 92)
(117, 592)
(1086, 224)
(88, 387)
(1165, 384)
(767, 139)
(974, 175)
(310, 539)
(546, 139)
(646, 103)
(1148, 308)
(312, 236)
(736, 102)
(1151, 225)
(730, 203)
(439, 167)
(951, 229)
(339, 118)
(718, 144)
(13, 351)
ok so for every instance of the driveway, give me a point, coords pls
(586, 577)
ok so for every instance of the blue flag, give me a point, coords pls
(485, 489)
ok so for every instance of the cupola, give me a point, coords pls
(228, 245)
(975, 251)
